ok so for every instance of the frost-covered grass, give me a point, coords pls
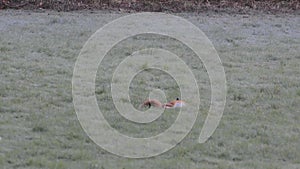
(259, 129)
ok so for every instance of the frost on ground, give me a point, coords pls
(259, 129)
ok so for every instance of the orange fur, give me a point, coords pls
(156, 103)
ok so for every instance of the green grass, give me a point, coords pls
(38, 124)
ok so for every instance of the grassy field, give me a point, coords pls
(259, 129)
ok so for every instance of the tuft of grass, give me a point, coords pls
(298, 92)
(39, 128)
(253, 25)
(238, 97)
(4, 49)
(145, 66)
(166, 67)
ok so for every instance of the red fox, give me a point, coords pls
(156, 103)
